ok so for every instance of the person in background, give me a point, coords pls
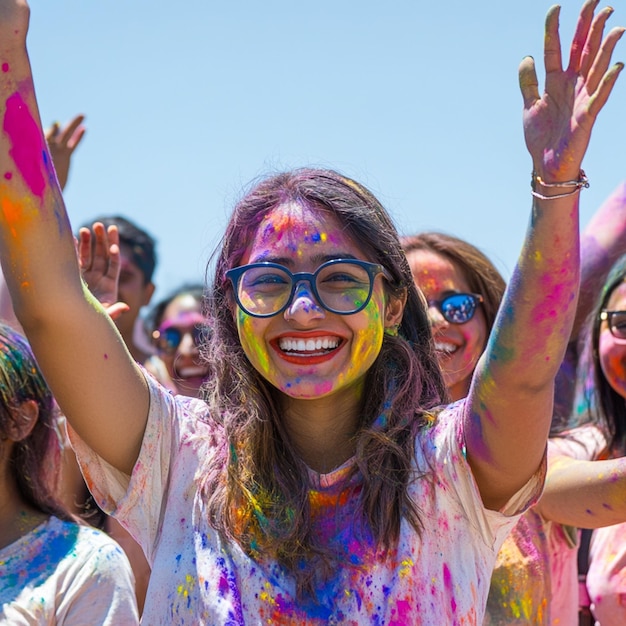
(138, 262)
(53, 569)
(535, 578)
(177, 325)
(601, 399)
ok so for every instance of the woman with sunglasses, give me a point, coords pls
(535, 577)
(178, 327)
(319, 480)
(601, 398)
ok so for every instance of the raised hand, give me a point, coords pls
(99, 260)
(62, 142)
(558, 124)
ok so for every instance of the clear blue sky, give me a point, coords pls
(186, 102)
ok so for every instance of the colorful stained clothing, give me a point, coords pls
(68, 574)
(606, 578)
(200, 577)
(535, 580)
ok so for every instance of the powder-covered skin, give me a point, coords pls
(201, 578)
(302, 239)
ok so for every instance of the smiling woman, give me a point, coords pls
(320, 479)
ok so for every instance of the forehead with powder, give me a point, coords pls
(295, 227)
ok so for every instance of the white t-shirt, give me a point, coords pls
(200, 577)
(68, 574)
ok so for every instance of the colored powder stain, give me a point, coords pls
(8, 175)
(27, 143)
(405, 567)
(5, 67)
(223, 585)
(106, 356)
(447, 581)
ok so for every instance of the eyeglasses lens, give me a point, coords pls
(617, 323)
(341, 287)
(458, 308)
(170, 338)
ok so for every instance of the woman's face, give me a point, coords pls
(612, 350)
(181, 319)
(306, 351)
(458, 346)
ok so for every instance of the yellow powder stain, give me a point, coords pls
(405, 567)
(183, 589)
(266, 597)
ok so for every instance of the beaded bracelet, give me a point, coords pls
(577, 185)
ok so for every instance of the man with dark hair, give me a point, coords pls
(135, 288)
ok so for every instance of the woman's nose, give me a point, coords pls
(303, 306)
(435, 317)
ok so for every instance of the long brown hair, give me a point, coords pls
(260, 497)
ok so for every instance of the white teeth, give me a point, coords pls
(308, 345)
(448, 348)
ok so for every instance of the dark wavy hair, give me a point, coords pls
(35, 461)
(479, 272)
(597, 400)
(260, 497)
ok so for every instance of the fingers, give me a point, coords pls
(552, 43)
(594, 40)
(602, 59)
(585, 19)
(72, 134)
(528, 82)
(84, 248)
(599, 98)
(116, 310)
(52, 132)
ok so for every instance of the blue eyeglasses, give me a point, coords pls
(342, 286)
(457, 308)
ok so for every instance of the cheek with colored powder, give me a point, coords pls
(253, 345)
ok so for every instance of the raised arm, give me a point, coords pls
(509, 408)
(96, 382)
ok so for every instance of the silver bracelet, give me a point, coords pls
(577, 185)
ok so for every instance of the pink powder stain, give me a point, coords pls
(447, 581)
(403, 609)
(27, 143)
(8, 175)
(5, 67)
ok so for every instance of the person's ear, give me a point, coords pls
(394, 310)
(23, 420)
(148, 292)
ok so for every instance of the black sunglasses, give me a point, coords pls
(457, 308)
(168, 339)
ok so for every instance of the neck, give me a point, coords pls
(323, 429)
(17, 518)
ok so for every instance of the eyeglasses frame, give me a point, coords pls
(372, 269)
(606, 315)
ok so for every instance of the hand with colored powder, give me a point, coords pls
(558, 124)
